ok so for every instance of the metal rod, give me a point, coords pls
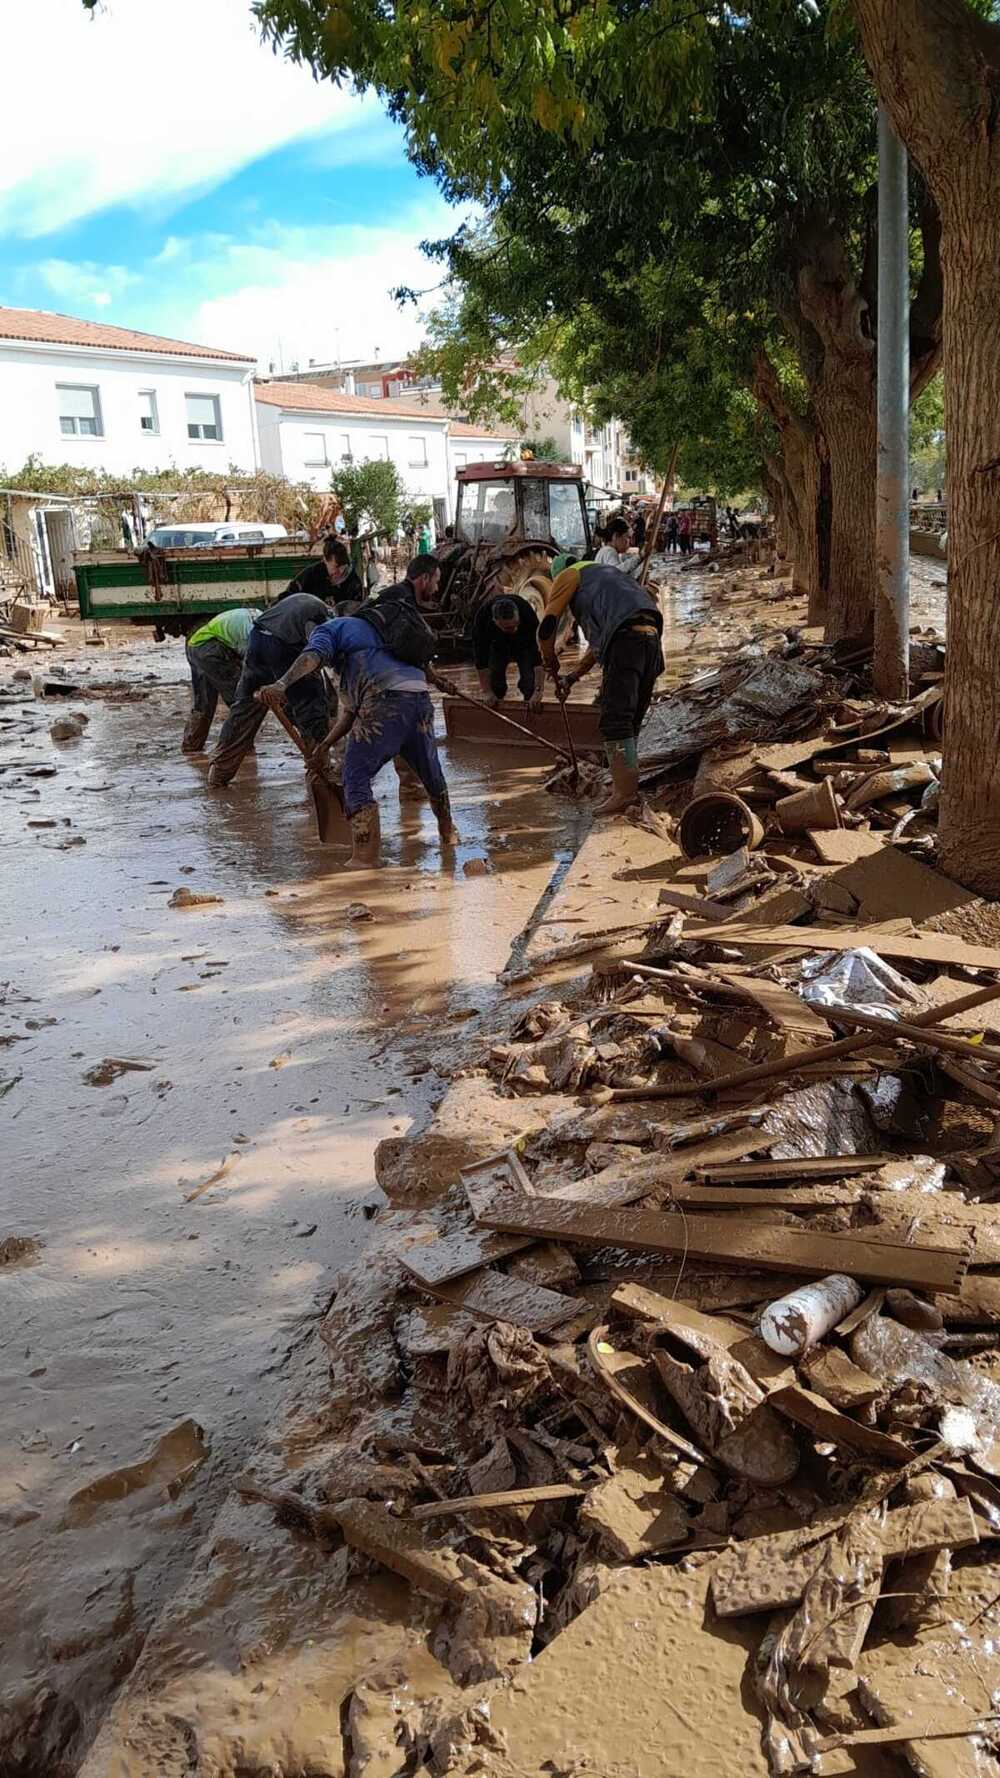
(892, 521)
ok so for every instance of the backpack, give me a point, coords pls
(401, 627)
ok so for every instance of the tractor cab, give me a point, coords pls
(541, 504)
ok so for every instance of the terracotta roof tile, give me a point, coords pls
(67, 330)
(316, 398)
(502, 434)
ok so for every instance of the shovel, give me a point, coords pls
(327, 801)
(561, 695)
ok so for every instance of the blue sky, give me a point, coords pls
(164, 171)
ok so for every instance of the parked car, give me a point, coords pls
(213, 536)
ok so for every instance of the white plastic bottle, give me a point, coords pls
(795, 1322)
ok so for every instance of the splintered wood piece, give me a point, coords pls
(602, 1356)
(480, 1503)
(731, 1242)
(495, 1296)
(826, 1422)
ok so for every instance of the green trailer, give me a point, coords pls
(177, 589)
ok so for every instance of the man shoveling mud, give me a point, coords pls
(215, 655)
(277, 638)
(622, 624)
(387, 710)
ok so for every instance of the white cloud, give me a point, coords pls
(145, 102)
(285, 294)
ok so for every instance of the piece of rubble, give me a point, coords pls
(730, 1415)
(491, 1295)
(830, 1373)
(192, 898)
(635, 1512)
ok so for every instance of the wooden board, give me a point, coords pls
(827, 1422)
(845, 845)
(727, 1242)
(451, 1256)
(919, 947)
(495, 1296)
(770, 1573)
(464, 722)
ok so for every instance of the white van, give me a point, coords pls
(214, 535)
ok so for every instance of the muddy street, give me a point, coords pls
(191, 1101)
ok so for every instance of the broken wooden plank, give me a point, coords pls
(894, 1029)
(701, 906)
(729, 1242)
(826, 1422)
(788, 1011)
(449, 1256)
(940, 1726)
(870, 1306)
(920, 947)
(824, 1054)
(640, 1304)
(397, 1544)
(810, 1167)
(771, 1573)
(496, 1172)
(481, 1503)
(490, 1295)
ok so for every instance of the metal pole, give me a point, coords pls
(892, 521)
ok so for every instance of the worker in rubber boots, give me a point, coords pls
(215, 656)
(622, 624)
(277, 638)
(386, 710)
(505, 632)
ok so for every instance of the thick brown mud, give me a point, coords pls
(191, 1099)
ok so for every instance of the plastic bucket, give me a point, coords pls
(714, 825)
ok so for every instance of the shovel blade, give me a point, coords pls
(332, 824)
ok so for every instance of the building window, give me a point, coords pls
(149, 419)
(79, 411)
(378, 448)
(204, 421)
(344, 452)
(315, 450)
(417, 452)
(460, 459)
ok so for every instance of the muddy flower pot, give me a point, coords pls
(815, 807)
(714, 825)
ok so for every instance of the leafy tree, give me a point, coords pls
(928, 456)
(371, 496)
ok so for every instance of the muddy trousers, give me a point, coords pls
(215, 674)
(266, 660)
(501, 656)
(392, 724)
(632, 663)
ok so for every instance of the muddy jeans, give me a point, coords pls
(391, 725)
(266, 660)
(215, 674)
(632, 664)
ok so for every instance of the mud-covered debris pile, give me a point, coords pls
(682, 1415)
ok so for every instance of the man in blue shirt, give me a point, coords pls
(387, 712)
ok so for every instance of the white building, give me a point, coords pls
(469, 443)
(107, 398)
(306, 431)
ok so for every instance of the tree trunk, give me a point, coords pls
(937, 67)
(805, 466)
(847, 415)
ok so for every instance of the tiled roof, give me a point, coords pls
(502, 434)
(66, 330)
(314, 398)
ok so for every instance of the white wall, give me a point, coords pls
(29, 409)
(476, 450)
(289, 446)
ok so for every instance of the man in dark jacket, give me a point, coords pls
(622, 624)
(332, 578)
(276, 640)
(505, 630)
